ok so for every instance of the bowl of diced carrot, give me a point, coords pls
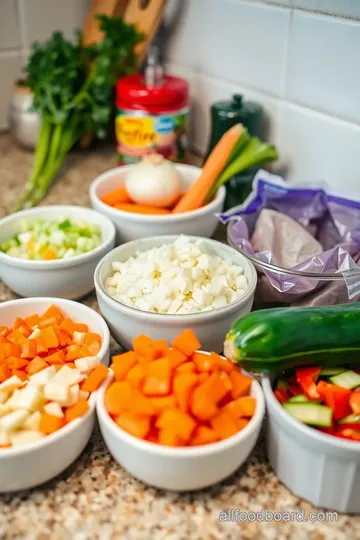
(54, 355)
(108, 196)
(176, 417)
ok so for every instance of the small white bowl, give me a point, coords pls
(320, 468)
(23, 467)
(180, 469)
(129, 226)
(210, 327)
(65, 278)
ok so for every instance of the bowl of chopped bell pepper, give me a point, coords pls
(313, 433)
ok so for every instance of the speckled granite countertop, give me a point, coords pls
(95, 498)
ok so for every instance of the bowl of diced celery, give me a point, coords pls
(53, 250)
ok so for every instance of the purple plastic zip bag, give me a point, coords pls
(333, 220)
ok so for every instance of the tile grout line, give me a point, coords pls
(22, 27)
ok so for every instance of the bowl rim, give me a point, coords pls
(168, 239)
(58, 263)
(15, 451)
(334, 443)
(148, 218)
(186, 451)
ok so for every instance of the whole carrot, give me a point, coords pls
(141, 209)
(196, 194)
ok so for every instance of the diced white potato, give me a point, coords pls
(44, 376)
(67, 376)
(10, 384)
(83, 394)
(11, 402)
(25, 436)
(87, 363)
(13, 420)
(35, 333)
(29, 398)
(33, 422)
(79, 337)
(56, 392)
(4, 409)
(4, 438)
(3, 396)
(74, 395)
(54, 409)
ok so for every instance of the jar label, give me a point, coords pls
(138, 134)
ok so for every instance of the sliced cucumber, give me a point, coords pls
(347, 379)
(328, 372)
(282, 384)
(350, 419)
(300, 398)
(310, 413)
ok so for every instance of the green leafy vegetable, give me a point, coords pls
(72, 88)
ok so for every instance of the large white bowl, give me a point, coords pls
(180, 469)
(320, 468)
(210, 327)
(129, 226)
(65, 278)
(33, 464)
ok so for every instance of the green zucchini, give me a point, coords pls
(347, 379)
(329, 372)
(272, 340)
(310, 413)
(300, 398)
(350, 419)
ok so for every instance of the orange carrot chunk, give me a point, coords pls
(141, 404)
(224, 424)
(95, 378)
(145, 346)
(118, 196)
(36, 365)
(50, 337)
(75, 411)
(241, 384)
(56, 358)
(247, 406)
(5, 373)
(141, 209)
(135, 424)
(182, 387)
(186, 342)
(68, 326)
(201, 405)
(158, 379)
(187, 367)
(177, 421)
(17, 363)
(221, 363)
(52, 312)
(50, 424)
(204, 362)
(122, 363)
(118, 397)
(162, 403)
(92, 342)
(10, 349)
(73, 352)
(203, 435)
(161, 348)
(136, 375)
(20, 373)
(214, 388)
(28, 349)
(168, 437)
(176, 357)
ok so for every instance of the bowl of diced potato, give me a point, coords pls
(54, 355)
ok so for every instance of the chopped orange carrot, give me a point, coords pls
(162, 403)
(23, 327)
(41, 348)
(186, 342)
(183, 386)
(135, 424)
(95, 378)
(69, 364)
(118, 397)
(10, 349)
(17, 363)
(57, 357)
(203, 362)
(20, 373)
(81, 327)
(118, 196)
(176, 357)
(201, 406)
(241, 384)
(16, 337)
(32, 320)
(141, 404)
(5, 373)
(221, 363)
(73, 352)
(49, 254)
(162, 348)
(224, 424)
(122, 363)
(153, 435)
(144, 345)
(92, 342)
(226, 380)
(136, 375)
(52, 311)
(36, 365)
(247, 406)
(158, 379)
(64, 339)
(50, 337)
(203, 435)
(79, 408)
(214, 388)
(50, 424)
(50, 321)
(141, 209)
(177, 421)
(168, 437)
(187, 367)
(202, 377)
(68, 326)
(28, 349)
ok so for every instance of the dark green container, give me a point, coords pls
(224, 115)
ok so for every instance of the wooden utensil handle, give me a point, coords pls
(112, 8)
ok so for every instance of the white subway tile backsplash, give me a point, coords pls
(9, 27)
(344, 8)
(245, 43)
(322, 65)
(42, 17)
(184, 29)
(10, 70)
(318, 149)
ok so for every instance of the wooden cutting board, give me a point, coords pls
(146, 15)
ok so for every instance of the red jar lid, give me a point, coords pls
(132, 93)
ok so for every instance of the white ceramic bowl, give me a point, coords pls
(33, 464)
(210, 327)
(65, 278)
(129, 226)
(180, 469)
(320, 468)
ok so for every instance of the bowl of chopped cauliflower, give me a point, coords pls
(53, 250)
(162, 285)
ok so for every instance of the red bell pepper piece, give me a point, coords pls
(337, 398)
(321, 387)
(348, 433)
(354, 402)
(295, 389)
(307, 377)
(281, 395)
(329, 430)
